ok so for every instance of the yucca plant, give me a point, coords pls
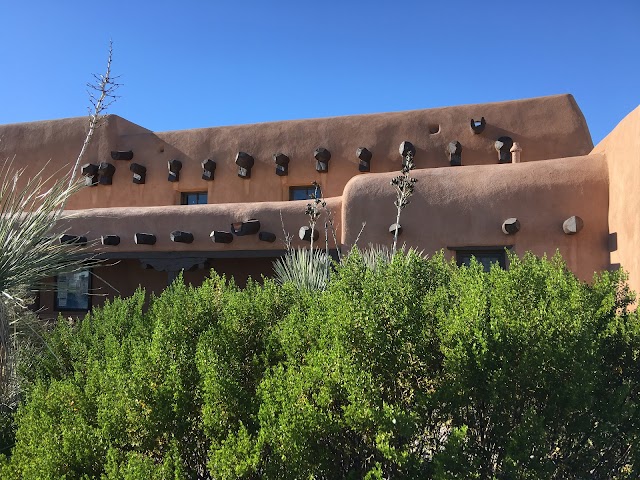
(304, 268)
(375, 256)
(29, 251)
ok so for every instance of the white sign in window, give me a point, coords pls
(72, 291)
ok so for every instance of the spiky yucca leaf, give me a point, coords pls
(377, 255)
(304, 268)
(29, 253)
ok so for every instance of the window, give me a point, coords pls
(72, 291)
(193, 198)
(485, 257)
(304, 193)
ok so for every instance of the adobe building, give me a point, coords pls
(522, 175)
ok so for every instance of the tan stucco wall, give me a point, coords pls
(452, 207)
(547, 127)
(622, 150)
(200, 220)
(122, 278)
(52, 145)
(466, 206)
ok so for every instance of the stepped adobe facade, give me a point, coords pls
(522, 175)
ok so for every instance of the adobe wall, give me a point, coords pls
(622, 150)
(120, 278)
(547, 127)
(123, 278)
(466, 206)
(53, 145)
(200, 220)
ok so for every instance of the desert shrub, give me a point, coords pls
(542, 372)
(354, 393)
(233, 356)
(416, 368)
(57, 436)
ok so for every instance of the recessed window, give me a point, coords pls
(304, 193)
(72, 291)
(484, 257)
(193, 198)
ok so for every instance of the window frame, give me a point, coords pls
(310, 189)
(56, 300)
(498, 251)
(184, 197)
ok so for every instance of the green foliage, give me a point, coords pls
(306, 269)
(28, 214)
(57, 437)
(232, 358)
(376, 255)
(356, 383)
(415, 368)
(542, 371)
(31, 252)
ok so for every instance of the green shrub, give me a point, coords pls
(57, 435)
(415, 368)
(541, 371)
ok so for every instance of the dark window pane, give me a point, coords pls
(304, 193)
(484, 257)
(194, 198)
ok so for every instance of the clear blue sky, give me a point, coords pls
(187, 64)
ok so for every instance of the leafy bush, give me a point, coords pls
(413, 369)
(541, 372)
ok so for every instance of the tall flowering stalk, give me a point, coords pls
(31, 250)
(404, 185)
(313, 210)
